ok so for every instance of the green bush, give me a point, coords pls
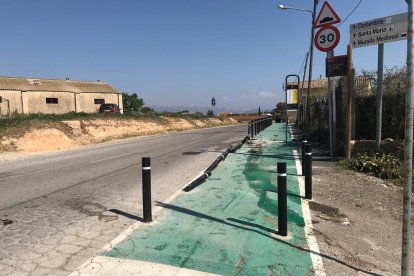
(384, 166)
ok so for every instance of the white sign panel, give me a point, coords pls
(327, 38)
(380, 30)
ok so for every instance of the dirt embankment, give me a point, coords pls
(48, 136)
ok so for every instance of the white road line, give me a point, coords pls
(103, 265)
(90, 263)
(310, 238)
(109, 158)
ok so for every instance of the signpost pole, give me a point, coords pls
(333, 92)
(379, 95)
(286, 125)
(308, 92)
(330, 107)
(349, 92)
(408, 147)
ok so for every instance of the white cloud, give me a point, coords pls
(262, 95)
(266, 94)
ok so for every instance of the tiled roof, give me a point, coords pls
(38, 84)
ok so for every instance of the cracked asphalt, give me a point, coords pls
(58, 209)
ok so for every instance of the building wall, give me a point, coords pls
(15, 102)
(35, 102)
(86, 101)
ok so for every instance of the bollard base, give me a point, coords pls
(288, 237)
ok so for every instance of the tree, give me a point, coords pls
(147, 110)
(210, 113)
(281, 108)
(131, 102)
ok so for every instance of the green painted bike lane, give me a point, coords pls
(228, 225)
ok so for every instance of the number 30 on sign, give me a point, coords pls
(327, 38)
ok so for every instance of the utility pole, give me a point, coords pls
(408, 147)
(380, 77)
(301, 107)
(315, 4)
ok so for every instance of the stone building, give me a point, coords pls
(36, 95)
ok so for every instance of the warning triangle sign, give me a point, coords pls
(327, 16)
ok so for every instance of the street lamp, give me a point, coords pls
(315, 4)
(283, 7)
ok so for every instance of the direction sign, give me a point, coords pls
(327, 16)
(380, 30)
(327, 38)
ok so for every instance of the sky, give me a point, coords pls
(180, 52)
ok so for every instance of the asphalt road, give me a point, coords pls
(59, 202)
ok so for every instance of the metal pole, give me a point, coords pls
(308, 171)
(315, 4)
(380, 77)
(349, 93)
(146, 189)
(286, 126)
(333, 93)
(330, 107)
(408, 147)
(282, 199)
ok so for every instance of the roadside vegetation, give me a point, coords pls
(382, 165)
(44, 132)
(22, 120)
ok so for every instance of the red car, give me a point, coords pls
(109, 108)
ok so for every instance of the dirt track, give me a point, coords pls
(358, 222)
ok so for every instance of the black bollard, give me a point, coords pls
(251, 129)
(282, 199)
(308, 171)
(248, 129)
(304, 141)
(255, 127)
(146, 189)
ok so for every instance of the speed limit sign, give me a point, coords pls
(327, 38)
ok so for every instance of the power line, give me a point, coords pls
(356, 7)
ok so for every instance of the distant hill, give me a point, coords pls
(202, 109)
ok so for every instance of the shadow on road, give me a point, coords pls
(125, 214)
(264, 232)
